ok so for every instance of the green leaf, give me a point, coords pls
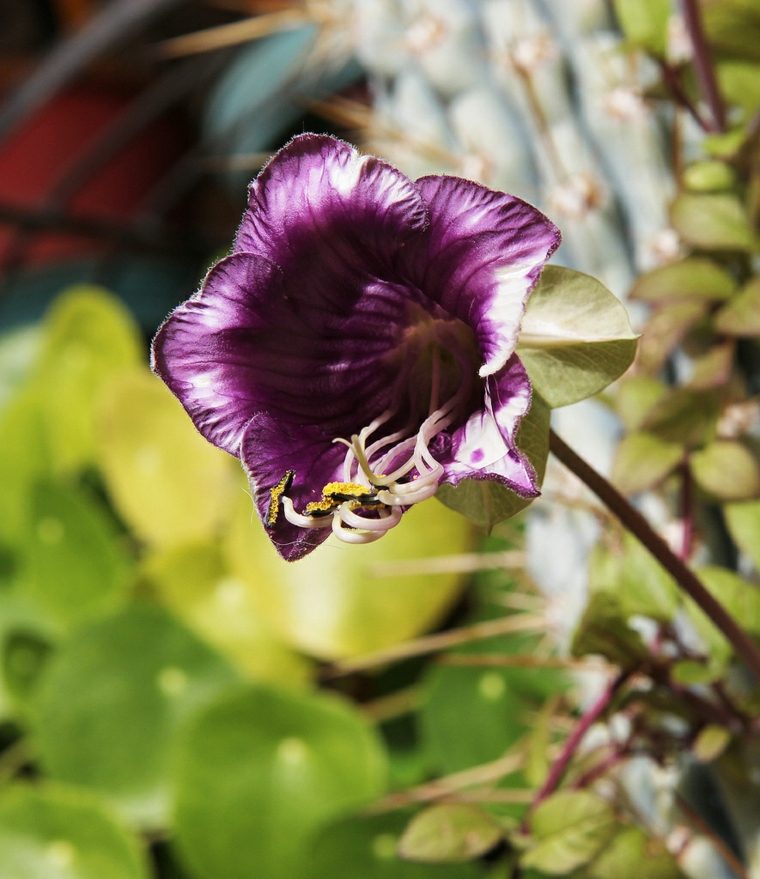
(645, 24)
(633, 853)
(166, 481)
(450, 833)
(711, 742)
(689, 672)
(642, 461)
(485, 502)
(694, 278)
(743, 520)
(569, 829)
(576, 337)
(741, 316)
(111, 700)
(367, 846)
(76, 568)
(733, 27)
(193, 581)
(635, 396)
(50, 832)
(369, 596)
(88, 336)
(710, 175)
(738, 596)
(260, 771)
(739, 83)
(665, 330)
(727, 470)
(712, 222)
(603, 631)
(712, 369)
(685, 416)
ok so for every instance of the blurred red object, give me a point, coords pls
(41, 154)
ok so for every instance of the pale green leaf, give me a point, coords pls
(645, 24)
(642, 461)
(486, 502)
(712, 369)
(743, 520)
(665, 330)
(739, 82)
(368, 596)
(111, 700)
(727, 470)
(260, 771)
(576, 337)
(193, 581)
(52, 832)
(712, 222)
(449, 833)
(569, 829)
(635, 396)
(692, 278)
(604, 631)
(741, 316)
(166, 481)
(711, 742)
(685, 416)
(88, 336)
(733, 27)
(632, 853)
(710, 175)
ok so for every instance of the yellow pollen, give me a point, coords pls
(275, 495)
(347, 491)
(319, 508)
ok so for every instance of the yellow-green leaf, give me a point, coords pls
(449, 833)
(642, 461)
(741, 316)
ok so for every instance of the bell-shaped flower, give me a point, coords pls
(357, 347)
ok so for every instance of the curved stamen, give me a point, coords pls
(384, 523)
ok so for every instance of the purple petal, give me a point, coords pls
(269, 449)
(484, 447)
(483, 255)
(319, 199)
(201, 350)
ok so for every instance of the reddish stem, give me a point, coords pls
(708, 82)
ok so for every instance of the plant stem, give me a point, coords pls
(631, 518)
(588, 719)
(703, 65)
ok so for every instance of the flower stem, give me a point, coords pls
(589, 718)
(703, 65)
(631, 518)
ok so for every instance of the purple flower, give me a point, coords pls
(357, 347)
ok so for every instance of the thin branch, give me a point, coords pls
(497, 660)
(631, 518)
(703, 64)
(672, 81)
(720, 846)
(440, 641)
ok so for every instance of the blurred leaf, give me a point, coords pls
(195, 585)
(88, 336)
(685, 416)
(733, 27)
(642, 461)
(348, 600)
(739, 83)
(367, 846)
(688, 672)
(711, 742)
(727, 470)
(604, 631)
(260, 771)
(638, 582)
(167, 482)
(470, 717)
(712, 222)
(450, 833)
(569, 829)
(111, 700)
(575, 338)
(739, 597)
(633, 853)
(486, 502)
(713, 368)
(726, 144)
(18, 351)
(76, 568)
(710, 175)
(51, 832)
(25, 653)
(692, 278)
(741, 316)
(634, 398)
(665, 330)
(743, 520)
(645, 24)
